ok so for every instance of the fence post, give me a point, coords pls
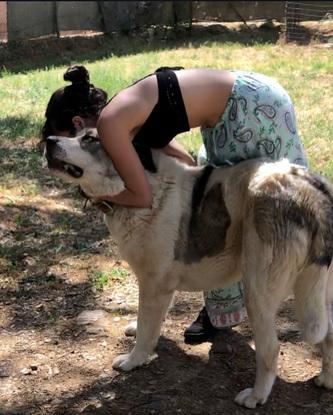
(190, 17)
(100, 10)
(55, 19)
(179, 8)
(175, 15)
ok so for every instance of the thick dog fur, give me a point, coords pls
(269, 224)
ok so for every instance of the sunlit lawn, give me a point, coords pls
(305, 71)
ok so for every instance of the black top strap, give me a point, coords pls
(169, 68)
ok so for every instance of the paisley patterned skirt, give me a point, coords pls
(259, 121)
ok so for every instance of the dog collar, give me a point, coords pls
(104, 206)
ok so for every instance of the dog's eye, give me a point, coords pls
(89, 139)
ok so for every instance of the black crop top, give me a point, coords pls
(167, 119)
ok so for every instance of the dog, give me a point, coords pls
(267, 223)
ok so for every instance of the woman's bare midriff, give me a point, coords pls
(205, 94)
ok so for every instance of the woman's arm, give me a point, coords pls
(175, 149)
(114, 128)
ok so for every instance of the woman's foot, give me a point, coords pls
(200, 330)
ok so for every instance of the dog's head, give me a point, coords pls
(82, 160)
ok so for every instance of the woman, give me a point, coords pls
(241, 115)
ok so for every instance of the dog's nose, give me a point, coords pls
(52, 139)
(51, 145)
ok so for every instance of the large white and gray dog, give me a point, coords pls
(269, 224)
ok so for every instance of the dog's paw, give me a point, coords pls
(324, 379)
(130, 329)
(247, 398)
(128, 362)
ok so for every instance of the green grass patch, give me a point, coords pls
(100, 279)
(119, 274)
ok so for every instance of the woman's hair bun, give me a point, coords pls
(77, 74)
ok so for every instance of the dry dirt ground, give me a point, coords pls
(52, 363)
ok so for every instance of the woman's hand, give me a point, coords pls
(175, 149)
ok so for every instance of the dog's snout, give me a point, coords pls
(51, 144)
(52, 139)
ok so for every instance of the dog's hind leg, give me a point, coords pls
(311, 303)
(265, 285)
(326, 376)
(153, 305)
(131, 328)
(261, 309)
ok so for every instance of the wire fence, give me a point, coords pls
(307, 21)
(59, 18)
(33, 19)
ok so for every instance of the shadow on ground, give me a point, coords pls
(184, 379)
(194, 386)
(24, 56)
(41, 250)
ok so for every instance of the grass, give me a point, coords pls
(100, 279)
(306, 72)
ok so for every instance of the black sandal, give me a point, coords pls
(200, 330)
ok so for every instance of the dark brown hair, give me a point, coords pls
(80, 98)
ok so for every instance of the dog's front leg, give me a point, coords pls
(153, 304)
